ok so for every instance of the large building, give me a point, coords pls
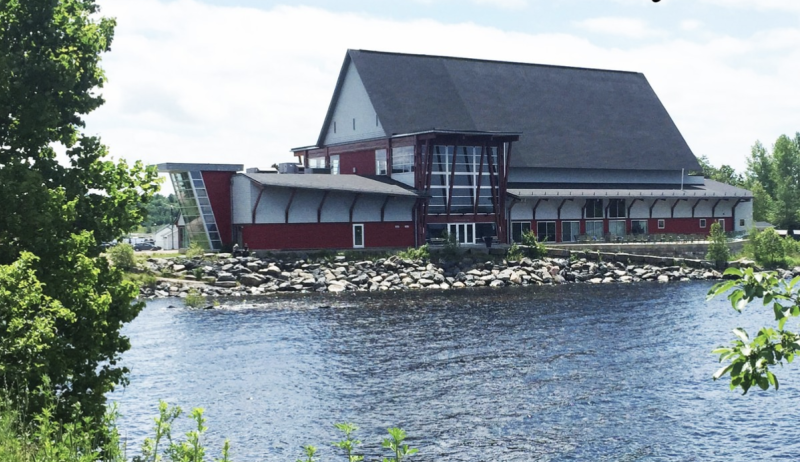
(413, 146)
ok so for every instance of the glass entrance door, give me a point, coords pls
(358, 236)
(464, 232)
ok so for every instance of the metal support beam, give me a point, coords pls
(536, 206)
(493, 181)
(353, 206)
(652, 206)
(696, 204)
(289, 204)
(480, 176)
(672, 210)
(383, 207)
(321, 204)
(561, 205)
(452, 180)
(714, 208)
(255, 207)
(631, 206)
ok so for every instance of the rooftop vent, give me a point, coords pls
(289, 167)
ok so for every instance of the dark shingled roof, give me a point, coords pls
(569, 117)
(711, 189)
(344, 183)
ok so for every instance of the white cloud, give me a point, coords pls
(505, 4)
(624, 27)
(190, 82)
(761, 5)
(691, 24)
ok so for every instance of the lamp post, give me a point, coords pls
(172, 227)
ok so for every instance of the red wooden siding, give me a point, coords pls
(300, 236)
(218, 185)
(362, 161)
(671, 225)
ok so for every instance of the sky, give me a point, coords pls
(245, 81)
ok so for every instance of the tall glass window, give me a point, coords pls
(380, 162)
(403, 159)
(195, 206)
(461, 166)
(570, 231)
(594, 208)
(334, 165)
(616, 208)
(546, 231)
(594, 229)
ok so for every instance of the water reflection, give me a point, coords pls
(577, 372)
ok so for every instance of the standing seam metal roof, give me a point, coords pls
(343, 183)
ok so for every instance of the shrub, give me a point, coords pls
(514, 252)
(768, 248)
(41, 438)
(122, 256)
(148, 280)
(536, 249)
(194, 299)
(449, 250)
(195, 250)
(718, 250)
(421, 253)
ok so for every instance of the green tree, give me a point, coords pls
(49, 75)
(786, 154)
(761, 168)
(724, 174)
(763, 204)
(768, 248)
(748, 359)
(162, 210)
(718, 250)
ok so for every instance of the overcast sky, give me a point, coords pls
(244, 81)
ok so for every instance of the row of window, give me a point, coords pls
(570, 230)
(616, 208)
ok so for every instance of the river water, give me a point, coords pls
(574, 372)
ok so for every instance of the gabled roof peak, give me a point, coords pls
(490, 61)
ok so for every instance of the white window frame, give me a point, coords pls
(594, 235)
(573, 237)
(468, 230)
(662, 223)
(363, 238)
(703, 223)
(547, 222)
(403, 159)
(586, 210)
(615, 223)
(645, 227)
(335, 165)
(721, 222)
(520, 225)
(617, 208)
(381, 164)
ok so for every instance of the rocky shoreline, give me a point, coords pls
(226, 276)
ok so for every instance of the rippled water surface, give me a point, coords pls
(575, 372)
